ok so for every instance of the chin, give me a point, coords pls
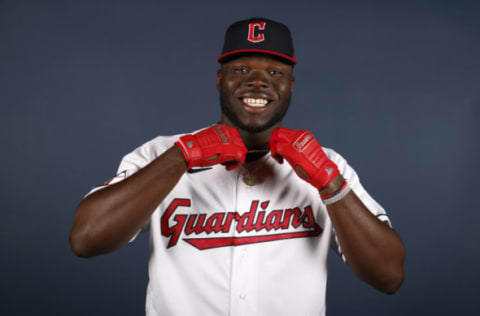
(252, 127)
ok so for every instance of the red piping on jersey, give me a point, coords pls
(208, 243)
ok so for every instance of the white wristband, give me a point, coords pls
(338, 196)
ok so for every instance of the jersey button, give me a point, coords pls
(243, 296)
(249, 180)
(243, 253)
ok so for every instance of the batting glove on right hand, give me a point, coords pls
(213, 145)
(305, 155)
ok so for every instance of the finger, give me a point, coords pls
(278, 158)
(232, 165)
(302, 173)
(213, 157)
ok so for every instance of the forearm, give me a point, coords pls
(107, 219)
(373, 250)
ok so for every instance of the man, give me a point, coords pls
(235, 230)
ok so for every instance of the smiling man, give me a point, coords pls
(234, 229)
(255, 92)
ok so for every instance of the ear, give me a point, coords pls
(219, 78)
(292, 83)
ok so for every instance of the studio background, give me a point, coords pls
(394, 86)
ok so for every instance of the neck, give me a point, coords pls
(253, 141)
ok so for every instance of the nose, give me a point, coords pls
(257, 79)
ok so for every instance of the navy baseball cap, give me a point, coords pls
(258, 35)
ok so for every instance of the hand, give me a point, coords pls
(213, 145)
(305, 155)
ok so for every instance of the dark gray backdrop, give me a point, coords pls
(392, 86)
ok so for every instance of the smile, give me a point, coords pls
(255, 102)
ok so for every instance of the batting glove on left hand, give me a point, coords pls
(305, 155)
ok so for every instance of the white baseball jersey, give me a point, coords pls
(252, 241)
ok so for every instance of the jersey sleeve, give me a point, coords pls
(135, 161)
(129, 164)
(353, 180)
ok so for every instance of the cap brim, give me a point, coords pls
(229, 55)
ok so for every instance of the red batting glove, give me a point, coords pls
(213, 145)
(305, 155)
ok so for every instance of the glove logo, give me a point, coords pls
(302, 142)
(259, 37)
(329, 170)
(221, 135)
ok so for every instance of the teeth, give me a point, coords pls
(255, 102)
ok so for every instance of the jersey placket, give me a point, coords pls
(244, 275)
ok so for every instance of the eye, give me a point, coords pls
(240, 70)
(275, 72)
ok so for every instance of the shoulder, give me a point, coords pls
(158, 145)
(150, 150)
(334, 156)
(343, 166)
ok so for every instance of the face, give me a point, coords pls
(255, 92)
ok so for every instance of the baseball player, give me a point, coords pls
(242, 213)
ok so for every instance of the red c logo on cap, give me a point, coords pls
(251, 32)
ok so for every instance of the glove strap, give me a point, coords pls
(326, 173)
(190, 149)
